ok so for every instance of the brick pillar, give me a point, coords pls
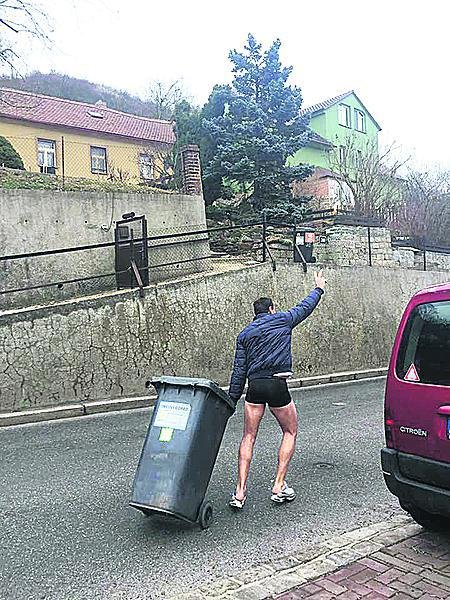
(191, 169)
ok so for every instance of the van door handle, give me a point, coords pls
(444, 410)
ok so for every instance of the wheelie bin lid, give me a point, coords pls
(194, 382)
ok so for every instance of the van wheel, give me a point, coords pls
(429, 520)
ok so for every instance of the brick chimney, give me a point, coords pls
(191, 169)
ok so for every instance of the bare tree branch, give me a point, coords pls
(6, 24)
(17, 18)
(370, 174)
(165, 97)
(164, 161)
(425, 211)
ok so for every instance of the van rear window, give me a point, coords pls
(426, 344)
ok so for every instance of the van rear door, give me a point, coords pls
(418, 391)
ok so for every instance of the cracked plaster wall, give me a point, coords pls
(109, 346)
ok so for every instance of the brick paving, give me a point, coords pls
(418, 567)
(395, 558)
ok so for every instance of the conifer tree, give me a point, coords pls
(258, 129)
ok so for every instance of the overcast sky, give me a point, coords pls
(393, 53)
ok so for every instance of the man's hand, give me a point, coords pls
(320, 279)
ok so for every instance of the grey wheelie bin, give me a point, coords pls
(181, 448)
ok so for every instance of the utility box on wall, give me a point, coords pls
(130, 236)
(304, 239)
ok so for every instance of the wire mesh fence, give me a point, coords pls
(75, 163)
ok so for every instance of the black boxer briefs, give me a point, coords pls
(272, 391)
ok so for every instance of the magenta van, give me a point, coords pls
(416, 461)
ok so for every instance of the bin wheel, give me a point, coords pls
(205, 515)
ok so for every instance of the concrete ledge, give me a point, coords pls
(337, 377)
(308, 381)
(99, 406)
(379, 372)
(93, 407)
(41, 414)
(343, 376)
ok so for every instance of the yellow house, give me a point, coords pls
(74, 139)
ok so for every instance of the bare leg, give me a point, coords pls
(252, 418)
(287, 419)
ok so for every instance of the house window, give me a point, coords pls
(342, 154)
(47, 156)
(358, 158)
(98, 160)
(146, 166)
(360, 121)
(344, 115)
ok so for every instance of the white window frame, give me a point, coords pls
(146, 162)
(96, 159)
(345, 115)
(46, 148)
(360, 114)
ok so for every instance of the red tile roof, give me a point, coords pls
(98, 118)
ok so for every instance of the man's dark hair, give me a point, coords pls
(262, 305)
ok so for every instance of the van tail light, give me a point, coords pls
(388, 429)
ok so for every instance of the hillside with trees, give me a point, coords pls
(64, 86)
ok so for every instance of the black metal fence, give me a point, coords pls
(55, 274)
(61, 273)
(422, 247)
(52, 275)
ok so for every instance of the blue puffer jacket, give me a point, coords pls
(264, 347)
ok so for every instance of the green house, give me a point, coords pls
(331, 123)
(334, 124)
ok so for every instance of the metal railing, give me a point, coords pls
(176, 251)
(173, 254)
(422, 246)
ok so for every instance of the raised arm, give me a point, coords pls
(303, 309)
(239, 374)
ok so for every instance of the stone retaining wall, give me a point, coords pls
(109, 345)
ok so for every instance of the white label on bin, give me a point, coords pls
(173, 415)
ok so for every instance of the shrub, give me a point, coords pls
(8, 156)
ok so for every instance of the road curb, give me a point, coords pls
(82, 409)
(93, 407)
(100, 406)
(278, 576)
(41, 414)
(337, 377)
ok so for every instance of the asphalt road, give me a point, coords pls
(67, 532)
